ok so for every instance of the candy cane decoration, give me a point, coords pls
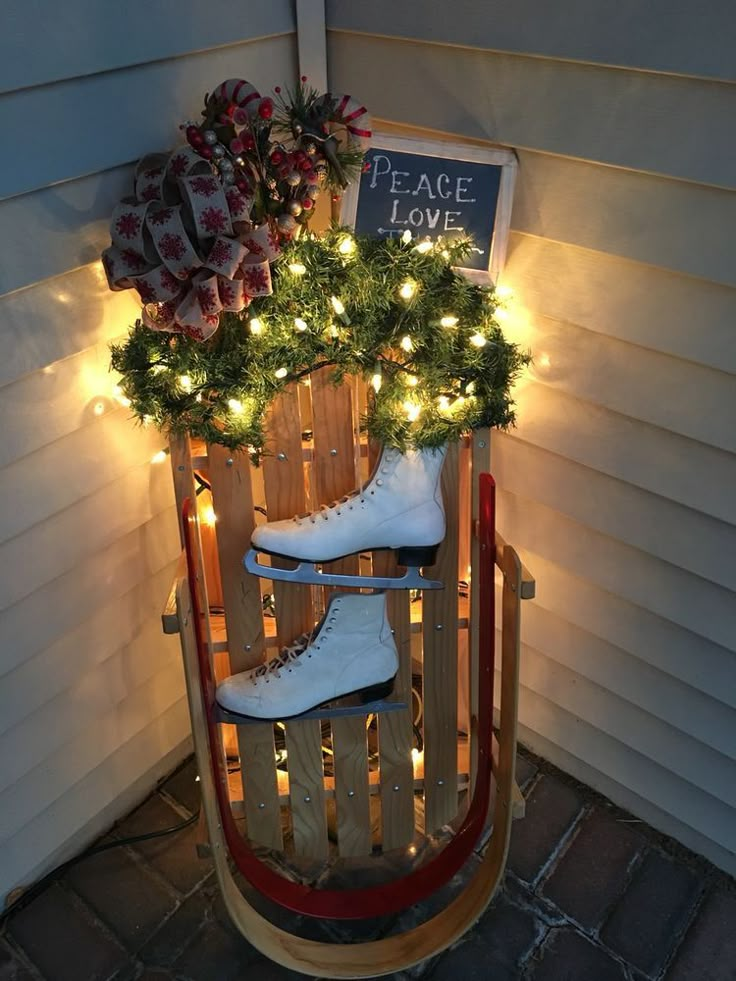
(348, 112)
(241, 94)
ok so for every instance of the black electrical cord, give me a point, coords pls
(32, 891)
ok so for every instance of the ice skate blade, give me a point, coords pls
(309, 574)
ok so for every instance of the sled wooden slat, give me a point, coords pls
(283, 475)
(183, 473)
(481, 463)
(395, 731)
(260, 786)
(229, 475)
(439, 690)
(333, 459)
(351, 786)
(306, 788)
(333, 476)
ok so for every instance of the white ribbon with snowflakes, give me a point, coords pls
(185, 243)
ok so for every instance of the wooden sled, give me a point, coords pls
(332, 793)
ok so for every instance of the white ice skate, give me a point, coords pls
(400, 508)
(351, 651)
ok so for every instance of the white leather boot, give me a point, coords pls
(351, 650)
(400, 508)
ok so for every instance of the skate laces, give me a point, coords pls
(359, 494)
(324, 509)
(288, 654)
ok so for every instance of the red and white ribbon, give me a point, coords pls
(185, 243)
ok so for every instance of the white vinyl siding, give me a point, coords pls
(617, 485)
(92, 701)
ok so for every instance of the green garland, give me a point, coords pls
(391, 311)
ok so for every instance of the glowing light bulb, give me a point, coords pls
(376, 381)
(406, 343)
(412, 381)
(504, 292)
(297, 268)
(423, 248)
(406, 237)
(159, 457)
(281, 372)
(544, 361)
(346, 246)
(501, 314)
(337, 306)
(412, 410)
(470, 388)
(98, 408)
(301, 325)
(333, 331)
(235, 406)
(445, 254)
(185, 382)
(256, 326)
(147, 420)
(407, 290)
(443, 403)
(208, 515)
(478, 340)
(449, 321)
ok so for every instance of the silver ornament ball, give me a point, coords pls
(226, 166)
(294, 208)
(228, 178)
(218, 151)
(210, 137)
(296, 128)
(286, 223)
(294, 179)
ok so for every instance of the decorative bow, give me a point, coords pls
(185, 243)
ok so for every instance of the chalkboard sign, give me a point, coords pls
(436, 190)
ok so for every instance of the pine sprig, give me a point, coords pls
(394, 314)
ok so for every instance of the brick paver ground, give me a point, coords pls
(590, 895)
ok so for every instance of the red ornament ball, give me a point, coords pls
(248, 141)
(277, 158)
(307, 203)
(265, 110)
(205, 151)
(305, 165)
(194, 137)
(277, 90)
(304, 78)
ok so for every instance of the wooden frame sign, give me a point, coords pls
(436, 189)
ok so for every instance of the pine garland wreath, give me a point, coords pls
(393, 311)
